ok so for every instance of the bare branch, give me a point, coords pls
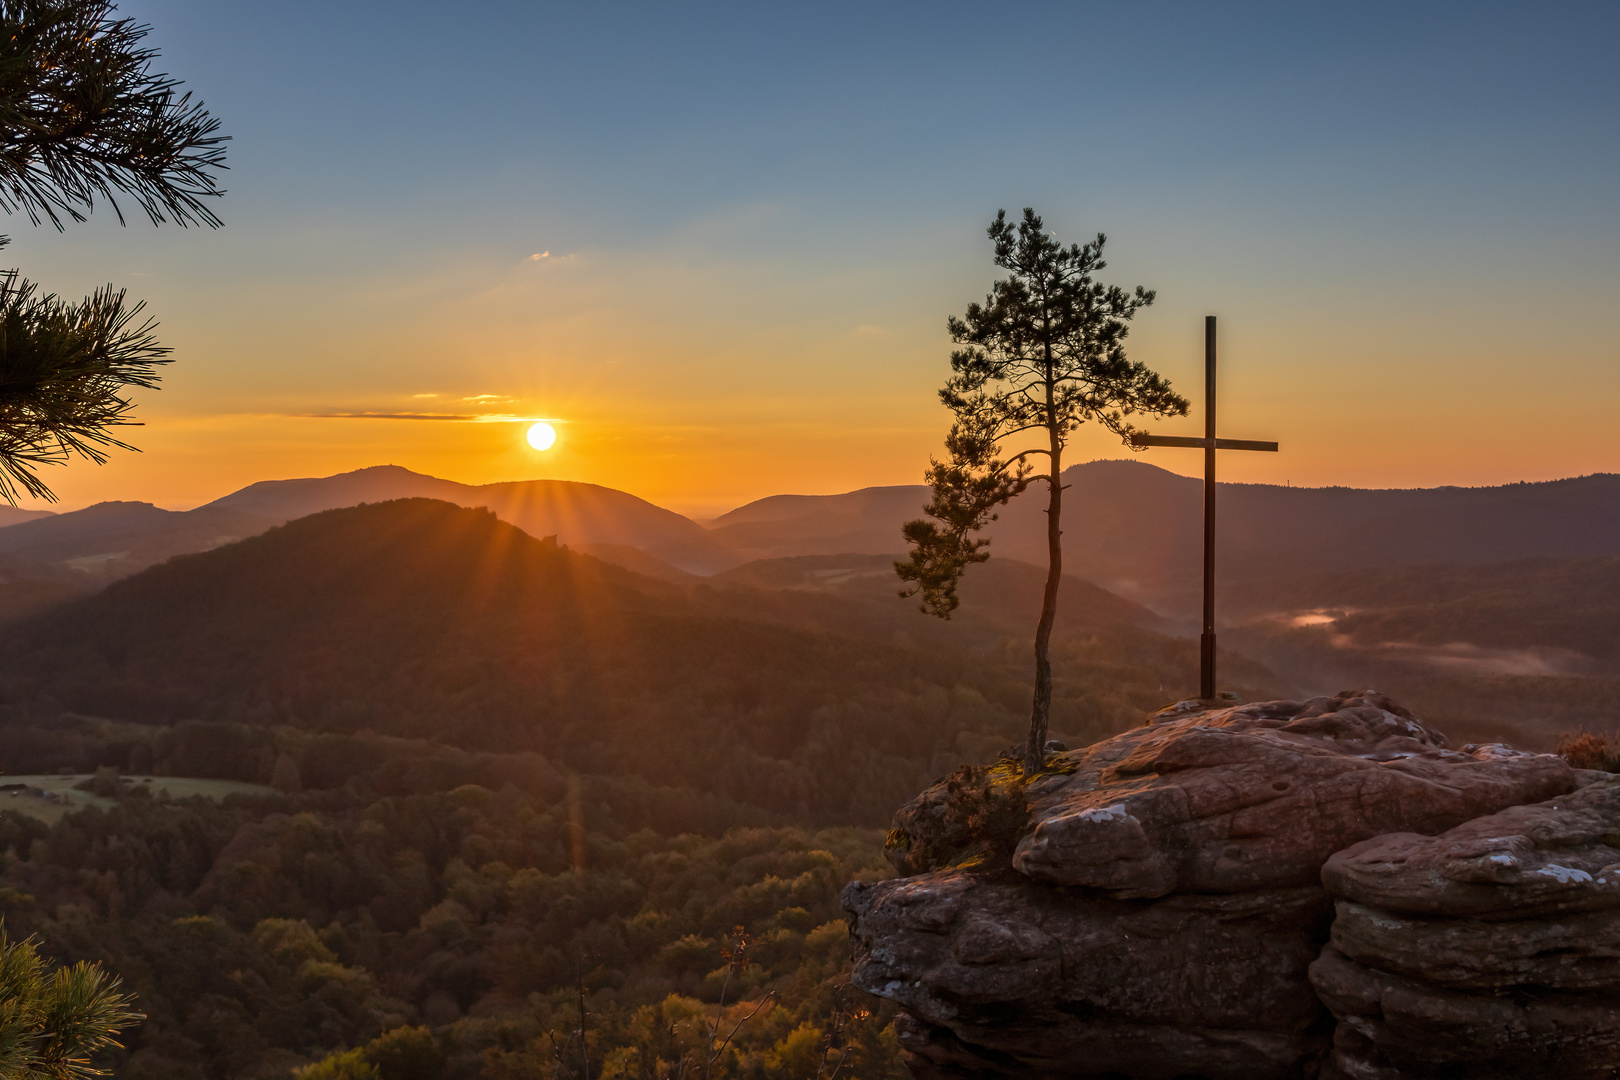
(769, 998)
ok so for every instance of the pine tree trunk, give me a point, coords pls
(1041, 711)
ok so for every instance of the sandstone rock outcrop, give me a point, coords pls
(1258, 796)
(1002, 978)
(1493, 948)
(1154, 908)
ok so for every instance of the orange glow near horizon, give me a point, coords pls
(704, 470)
(825, 387)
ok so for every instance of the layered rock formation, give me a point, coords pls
(1153, 906)
(1491, 950)
(1002, 978)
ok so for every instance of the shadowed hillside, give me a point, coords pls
(28, 586)
(417, 618)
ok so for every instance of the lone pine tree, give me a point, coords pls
(83, 116)
(1042, 355)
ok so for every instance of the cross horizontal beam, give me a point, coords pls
(1140, 440)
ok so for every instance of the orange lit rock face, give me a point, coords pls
(1258, 796)
(1160, 910)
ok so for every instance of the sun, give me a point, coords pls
(542, 436)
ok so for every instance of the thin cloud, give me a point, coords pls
(463, 417)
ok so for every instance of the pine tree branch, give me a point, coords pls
(83, 116)
(64, 368)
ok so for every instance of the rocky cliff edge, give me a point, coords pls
(1318, 889)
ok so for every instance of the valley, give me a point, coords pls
(413, 756)
(1429, 594)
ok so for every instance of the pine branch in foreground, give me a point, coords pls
(52, 1023)
(83, 116)
(64, 368)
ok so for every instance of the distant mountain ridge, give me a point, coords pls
(135, 533)
(864, 521)
(284, 500)
(83, 550)
(1137, 529)
(16, 515)
(1129, 526)
(574, 512)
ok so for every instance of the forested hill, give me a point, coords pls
(422, 619)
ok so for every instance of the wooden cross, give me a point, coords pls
(1210, 444)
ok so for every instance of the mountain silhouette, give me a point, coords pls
(1136, 529)
(576, 513)
(1132, 528)
(112, 540)
(15, 515)
(277, 501)
(866, 521)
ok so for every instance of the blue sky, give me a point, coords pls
(756, 218)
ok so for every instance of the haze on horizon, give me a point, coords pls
(717, 246)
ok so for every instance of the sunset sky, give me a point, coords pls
(717, 244)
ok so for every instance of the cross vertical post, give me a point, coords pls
(1206, 640)
(1210, 443)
